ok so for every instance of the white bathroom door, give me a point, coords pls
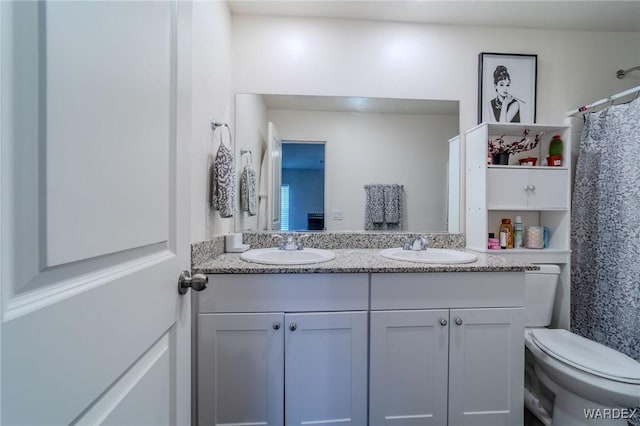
(275, 178)
(94, 212)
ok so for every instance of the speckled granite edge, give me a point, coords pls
(204, 251)
(356, 240)
(359, 261)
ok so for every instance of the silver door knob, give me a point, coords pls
(276, 325)
(198, 282)
(458, 321)
(443, 322)
(293, 327)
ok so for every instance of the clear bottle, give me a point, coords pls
(518, 231)
(506, 234)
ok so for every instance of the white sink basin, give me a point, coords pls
(275, 256)
(430, 255)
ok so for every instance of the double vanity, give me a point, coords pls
(365, 337)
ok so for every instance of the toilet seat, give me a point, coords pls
(586, 355)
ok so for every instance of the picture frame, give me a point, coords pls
(510, 77)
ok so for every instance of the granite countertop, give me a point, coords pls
(357, 261)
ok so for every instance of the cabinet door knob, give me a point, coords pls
(532, 187)
(458, 321)
(276, 325)
(293, 326)
(443, 322)
(526, 187)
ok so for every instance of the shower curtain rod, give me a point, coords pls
(587, 108)
(622, 73)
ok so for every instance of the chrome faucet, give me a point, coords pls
(419, 243)
(289, 243)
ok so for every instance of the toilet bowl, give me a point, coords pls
(591, 383)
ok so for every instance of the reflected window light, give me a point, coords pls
(284, 208)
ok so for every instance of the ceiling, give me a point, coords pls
(607, 15)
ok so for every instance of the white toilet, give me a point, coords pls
(579, 373)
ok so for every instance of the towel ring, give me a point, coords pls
(215, 125)
(247, 151)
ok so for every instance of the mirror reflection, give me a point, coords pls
(302, 188)
(315, 155)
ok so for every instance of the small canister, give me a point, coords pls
(493, 243)
(534, 237)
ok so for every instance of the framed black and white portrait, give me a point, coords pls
(507, 88)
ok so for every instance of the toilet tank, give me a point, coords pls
(540, 289)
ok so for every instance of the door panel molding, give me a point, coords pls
(26, 189)
(78, 282)
(97, 335)
(107, 161)
(107, 403)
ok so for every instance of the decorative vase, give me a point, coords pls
(554, 160)
(501, 158)
(528, 161)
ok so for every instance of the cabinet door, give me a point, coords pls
(326, 368)
(409, 364)
(507, 188)
(486, 364)
(537, 189)
(241, 369)
(548, 189)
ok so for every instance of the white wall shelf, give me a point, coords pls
(513, 166)
(528, 251)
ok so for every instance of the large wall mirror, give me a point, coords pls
(326, 149)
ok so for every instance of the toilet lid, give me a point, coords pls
(587, 355)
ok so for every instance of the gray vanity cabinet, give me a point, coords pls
(283, 349)
(446, 349)
(486, 364)
(326, 368)
(409, 364)
(241, 369)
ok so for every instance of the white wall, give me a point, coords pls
(407, 149)
(212, 98)
(384, 59)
